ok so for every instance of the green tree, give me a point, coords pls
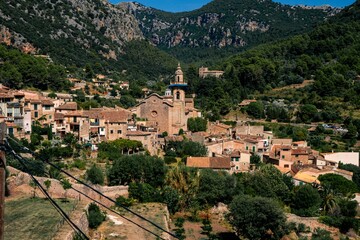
(66, 185)
(95, 175)
(197, 124)
(307, 113)
(256, 110)
(215, 187)
(256, 217)
(137, 169)
(47, 184)
(95, 216)
(354, 169)
(185, 181)
(306, 201)
(338, 183)
(255, 159)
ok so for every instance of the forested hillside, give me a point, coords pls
(19, 70)
(224, 26)
(78, 33)
(329, 55)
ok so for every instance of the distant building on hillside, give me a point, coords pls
(205, 72)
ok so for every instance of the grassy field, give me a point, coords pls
(32, 218)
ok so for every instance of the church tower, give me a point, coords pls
(178, 85)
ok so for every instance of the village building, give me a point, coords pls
(168, 113)
(205, 72)
(343, 157)
(214, 163)
(240, 161)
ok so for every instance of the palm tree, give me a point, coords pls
(329, 199)
(185, 181)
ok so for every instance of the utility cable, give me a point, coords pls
(77, 230)
(95, 190)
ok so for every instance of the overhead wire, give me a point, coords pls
(77, 230)
(96, 191)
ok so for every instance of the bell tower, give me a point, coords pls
(178, 85)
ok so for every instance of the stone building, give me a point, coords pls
(168, 113)
(205, 72)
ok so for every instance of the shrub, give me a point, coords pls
(95, 216)
(306, 201)
(144, 192)
(170, 160)
(95, 175)
(256, 217)
(123, 201)
(79, 164)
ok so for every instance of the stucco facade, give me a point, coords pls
(168, 113)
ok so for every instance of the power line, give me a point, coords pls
(113, 211)
(95, 190)
(77, 230)
(103, 205)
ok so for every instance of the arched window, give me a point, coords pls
(178, 95)
(178, 78)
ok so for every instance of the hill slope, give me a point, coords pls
(329, 54)
(224, 24)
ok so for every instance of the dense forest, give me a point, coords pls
(328, 54)
(18, 70)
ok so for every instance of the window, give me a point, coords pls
(237, 167)
(286, 166)
(237, 159)
(50, 117)
(283, 156)
(9, 114)
(178, 95)
(47, 107)
(36, 114)
(75, 119)
(253, 148)
(35, 106)
(119, 131)
(111, 131)
(247, 148)
(297, 155)
(178, 78)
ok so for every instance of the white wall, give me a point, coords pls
(344, 157)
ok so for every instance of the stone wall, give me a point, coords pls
(19, 182)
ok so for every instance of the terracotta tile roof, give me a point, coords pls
(36, 101)
(209, 162)
(19, 94)
(68, 106)
(116, 116)
(58, 116)
(249, 140)
(93, 113)
(75, 114)
(300, 151)
(306, 178)
(6, 95)
(282, 170)
(47, 102)
(138, 133)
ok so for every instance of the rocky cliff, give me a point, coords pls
(222, 23)
(68, 30)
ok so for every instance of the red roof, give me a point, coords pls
(116, 116)
(209, 162)
(68, 106)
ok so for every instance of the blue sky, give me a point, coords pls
(188, 5)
